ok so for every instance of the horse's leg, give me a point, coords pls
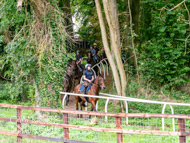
(93, 107)
(76, 102)
(81, 104)
(67, 99)
(90, 115)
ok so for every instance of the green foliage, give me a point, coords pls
(164, 59)
(29, 57)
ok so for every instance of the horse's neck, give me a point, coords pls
(96, 82)
(96, 86)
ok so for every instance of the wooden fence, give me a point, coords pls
(118, 116)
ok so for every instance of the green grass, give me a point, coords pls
(83, 135)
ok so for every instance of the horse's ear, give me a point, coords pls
(100, 74)
(68, 64)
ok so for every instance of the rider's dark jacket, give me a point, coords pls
(78, 57)
(96, 49)
(88, 74)
(93, 51)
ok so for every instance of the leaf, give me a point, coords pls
(162, 29)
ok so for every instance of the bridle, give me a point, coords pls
(98, 82)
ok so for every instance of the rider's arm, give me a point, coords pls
(86, 78)
(79, 61)
(92, 79)
(93, 52)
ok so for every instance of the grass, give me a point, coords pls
(83, 135)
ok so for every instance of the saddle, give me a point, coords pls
(82, 88)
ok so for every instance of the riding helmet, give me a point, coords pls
(87, 65)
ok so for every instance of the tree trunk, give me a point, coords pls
(115, 47)
(19, 4)
(135, 16)
(106, 47)
(132, 44)
(114, 13)
(128, 34)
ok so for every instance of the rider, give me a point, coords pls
(93, 52)
(88, 76)
(97, 50)
(78, 60)
(103, 53)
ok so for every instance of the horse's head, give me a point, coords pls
(101, 83)
(89, 57)
(69, 71)
(74, 65)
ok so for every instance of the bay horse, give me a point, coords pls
(68, 82)
(90, 60)
(94, 90)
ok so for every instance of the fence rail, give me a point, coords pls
(118, 116)
(109, 97)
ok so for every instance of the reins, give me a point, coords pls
(95, 84)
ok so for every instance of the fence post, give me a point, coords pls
(119, 126)
(65, 130)
(181, 125)
(19, 126)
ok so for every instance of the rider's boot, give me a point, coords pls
(85, 90)
(80, 68)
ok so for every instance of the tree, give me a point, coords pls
(36, 52)
(106, 47)
(135, 16)
(114, 34)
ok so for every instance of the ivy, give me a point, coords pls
(30, 60)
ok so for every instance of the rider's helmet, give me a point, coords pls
(87, 65)
(95, 44)
(78, 51)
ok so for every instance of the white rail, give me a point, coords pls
(99, 66)
(109, 97)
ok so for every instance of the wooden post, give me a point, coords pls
(65, 130)
(19, 126)
(181, 125)
(119, 126)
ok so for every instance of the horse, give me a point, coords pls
(90, 60)
(77, 74)
(94, 90)
(68, 82)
